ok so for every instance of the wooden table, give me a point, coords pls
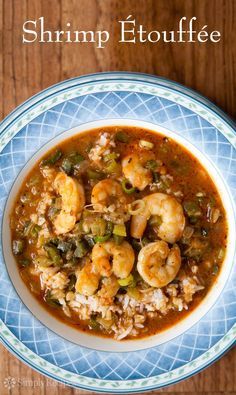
(209, 68)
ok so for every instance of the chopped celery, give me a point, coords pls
(111, 156)
(98, 227)
(113, 166)
(106, 236)
(146, 144)
(95, 174)
(120, 230)
(124, 282)
(43, 261)
(133, 281)
(35, 230)
(106, 324)
(107, 233)
(41, 240)
(102, 239)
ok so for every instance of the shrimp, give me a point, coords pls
(157, 264)
(87, 280)
(111, 258)
(108, 197)
(171, 213)
(134, 170)
(109, 288)
(73, 201)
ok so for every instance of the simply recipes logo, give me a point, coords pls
(11, 383)
(130, 32)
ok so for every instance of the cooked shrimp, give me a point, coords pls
(73, 201)
(109, 288)
(111, 258)
(108, 196)
(87, 281)
(157, 264)
(134, 170)
(107, 193)
(171, 213)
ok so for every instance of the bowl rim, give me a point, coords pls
(226, 341)
(108, 344)
(151, 79)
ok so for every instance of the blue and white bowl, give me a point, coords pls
(102, 99)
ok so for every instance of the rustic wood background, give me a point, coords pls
(25, 69)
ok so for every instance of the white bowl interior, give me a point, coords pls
(105, 344)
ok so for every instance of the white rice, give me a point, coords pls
(131, 314)
(102, 147)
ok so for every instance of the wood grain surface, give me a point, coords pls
(26, 69)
